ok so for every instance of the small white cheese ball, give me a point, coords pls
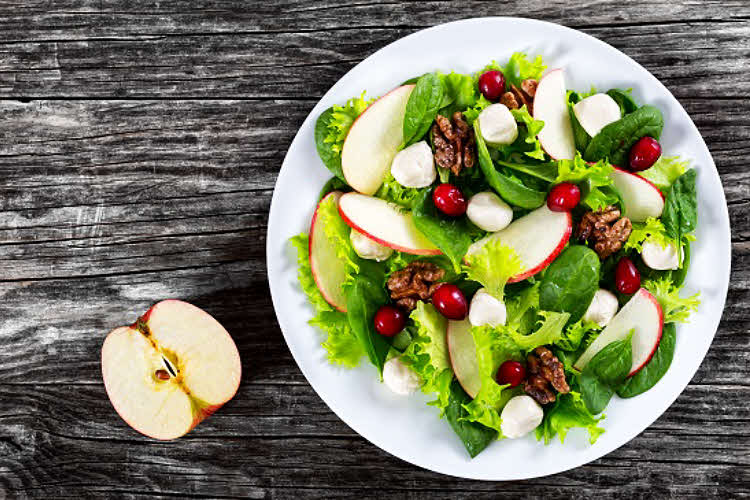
(603, 307)
(414, 166)
(399, 378)
(497, 125)
(595, 112)
(520, 416)
(368, 248)
(660, 258)
(486, 310)
(488, 212)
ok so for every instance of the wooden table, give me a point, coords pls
(139, 145)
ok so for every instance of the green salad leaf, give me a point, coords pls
(574, 334)
(475, 437)
(519, 68)
(567, 412)
(649, 375)
(460, 93)
(652, 230)
(604, 373)
(580, 136)
(595, 179)
(550, 330)
(613, 142)
(422, 107)
(624, 100)
(394, 192)
(364, 296)
(493, 266)
(570, 282)
(331, 158)
(665, 171)
(680, 214)
(675, 309)
(341, 120)
(532, 129)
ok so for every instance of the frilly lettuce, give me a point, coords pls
(567, 412)
(652, 230)
(342, 119)
(493, 266)
(665, 171)
(394, 192)
(549, 331)
(427, 354)
(676, 309)
(595, 177)
(460, 93)
(533, 127)
(337, 232)
(574, 334)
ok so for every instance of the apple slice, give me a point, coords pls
(551, 106)
(596, 112)
(643, 315)
(328, 271)
(537, 238)
(373, 141)
(170, 370)
(642, 198)
(384, 223)
(463, 354)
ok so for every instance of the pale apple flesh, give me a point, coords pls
(170, 370)
(537, 238)
(642, 198)
(643, 316)
(329, 272)
(551, 107)
(463, 354)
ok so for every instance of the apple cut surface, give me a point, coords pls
(537, 238)
(643, 315)
(373, 140)
(170, 370)
(384, 223)
(463, 353)
(642, 199)
(551, 107)
(328, 271)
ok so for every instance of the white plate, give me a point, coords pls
(406, 427)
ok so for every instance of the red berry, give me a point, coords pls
(492, 84)
(510, 372)
(449, 200)
(627, 277)
(563, 197)
(389, 320)
(449, 300)
(644, 153)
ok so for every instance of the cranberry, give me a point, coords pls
(449, 300)
(627, 277)
(492, 84)
(563, 197)
(510, 372)
(644, 153)
(389, 320)
(449, 200)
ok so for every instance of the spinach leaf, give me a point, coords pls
(580, 136)
(604, 372)
(333, 184)
(475, 436)
(615, 140)
(423, 105)
(512, 192)
(650, 374)
(330, 158)
(570, 282)
(678, 275)
(624, 100)
(452, 236)
(363, 298)
(680, 211)
(544, 171)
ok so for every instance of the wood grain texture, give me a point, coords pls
(139, 146)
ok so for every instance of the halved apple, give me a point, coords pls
(642, 198)
(551, 107)
(373, 141)
(328, 271)
(537, 238)
(463, 354)
(170, 370)
(384, 223)
(642, 315)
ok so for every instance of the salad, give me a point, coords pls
(512, 247)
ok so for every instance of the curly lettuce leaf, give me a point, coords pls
(567, 412)
(594, 179)
(341, 120)
(533, 127)
(472, 113)
(460, 93)
(549, 331)
(494, 347)
(493, 266)
(394, 192)
(652, 231)
(665, 171)
(427, 354)
(519, 68)
(337, 232)
(518, 306)
(574, 334)
(341, 345)
(676, 309)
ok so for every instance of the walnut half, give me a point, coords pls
(417, 281)
(605, 229)
(544, 369)
(454, 143)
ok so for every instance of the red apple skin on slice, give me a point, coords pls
(328, 271)
(644, 316)
(384, 223)
(537, 238)
(373, 141)
(642, 198)
(166, 399)
(551, 107)
(463, 354)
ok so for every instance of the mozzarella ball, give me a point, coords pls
(660, 258)
(399, 378)
(368, 248)
(595, 112)
(486, 310)
(603, 307)
(414, 167)
(488, 212)
(520, 416)
(497, 125)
